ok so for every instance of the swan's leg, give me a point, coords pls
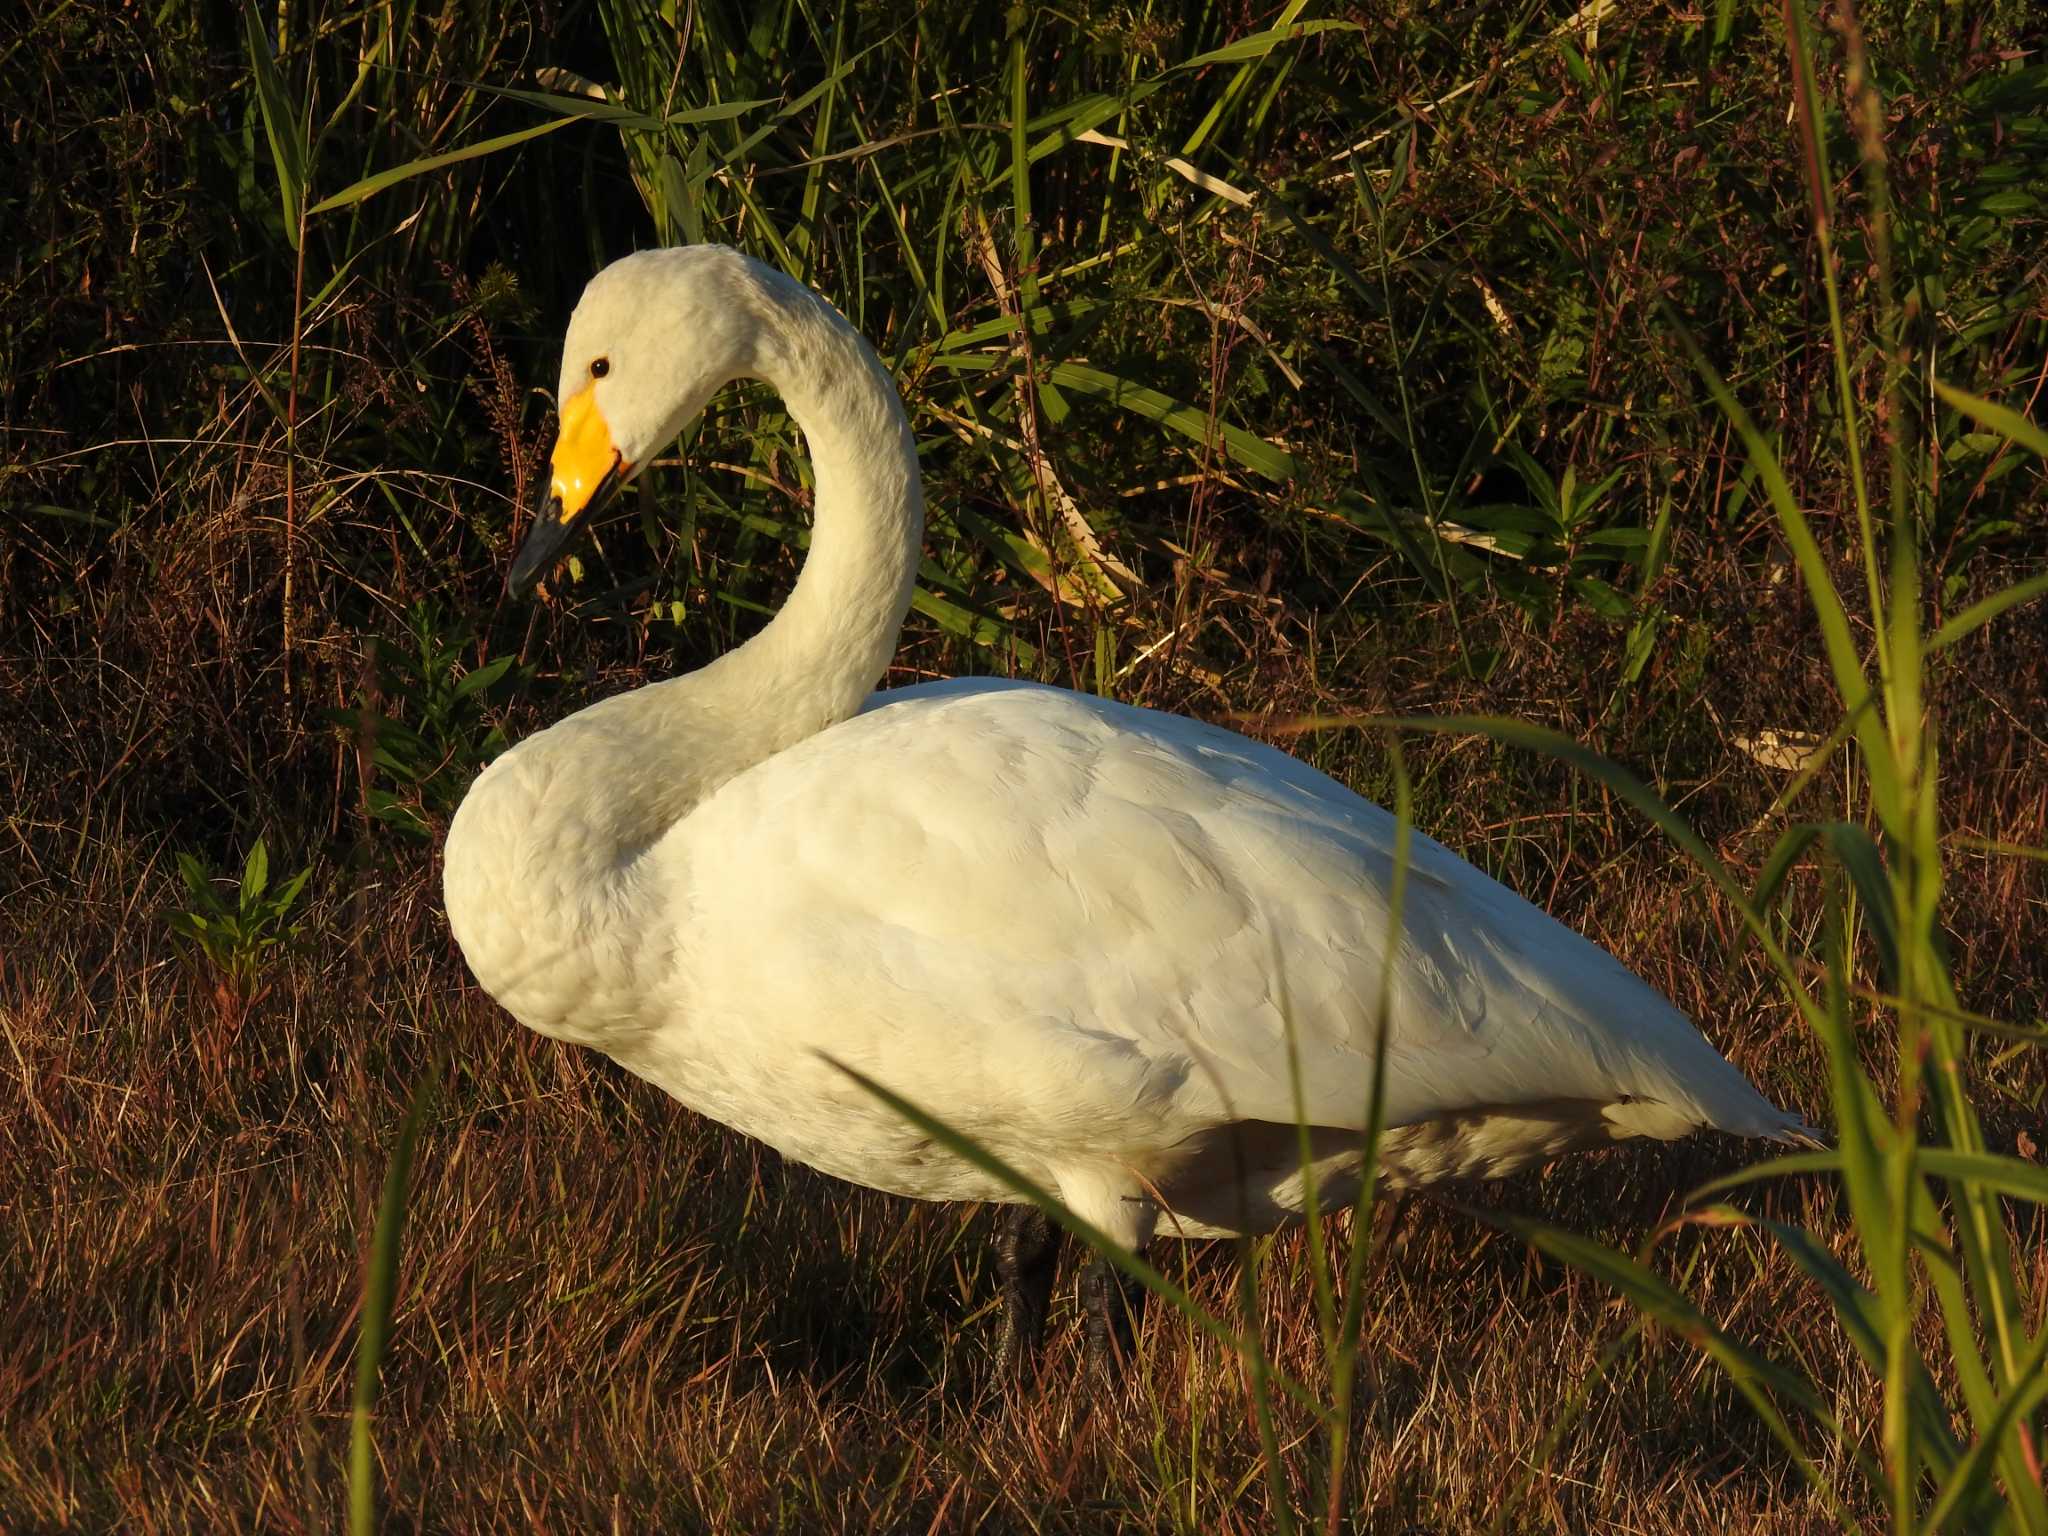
(1119, 1206)
(1111, 1303)
(1027, 1255)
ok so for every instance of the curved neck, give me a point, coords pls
(543, 855)
(827, 647)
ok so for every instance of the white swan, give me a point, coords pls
(1066, 926)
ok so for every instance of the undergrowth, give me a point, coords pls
(1272, 365)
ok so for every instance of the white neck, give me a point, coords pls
(823, 653)
(544, 847)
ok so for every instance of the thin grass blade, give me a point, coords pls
(380, 1290)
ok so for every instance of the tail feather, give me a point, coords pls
(1797, 1133)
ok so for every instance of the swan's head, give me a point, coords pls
(654, 336)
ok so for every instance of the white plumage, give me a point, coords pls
(1074, 930)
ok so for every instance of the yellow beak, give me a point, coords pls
(587, 469)
(584, 456)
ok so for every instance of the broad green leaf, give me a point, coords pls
(281, 124)
(198, 884)
(484, 676)
(282, 902)
(255, 874)
(2001, 419)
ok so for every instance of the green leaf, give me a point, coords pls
(1601, 598)
(281, 124)
(380, 1293)
(484, 676)
(979, 628)
(1254, 453)
(198, 884)
(1575, 64)
(1779, 863)
(2012, 201)
(970, 1151)
(282, 902)
(1978, 614)
(1752, 1375)
(255, 874)
(622, 116)
(1970, 1480)
(2007, 1175)
(2003, 420)
(1860, 1315)
(1771, 1168)
(1860, 860)
(1258, 44)
(1847, 664)
(370, 186)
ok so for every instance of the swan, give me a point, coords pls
(1075, 930)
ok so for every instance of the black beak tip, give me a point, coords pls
(544, 544)
(552, 533)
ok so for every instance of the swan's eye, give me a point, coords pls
(600, 366)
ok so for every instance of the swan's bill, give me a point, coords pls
(587, 470)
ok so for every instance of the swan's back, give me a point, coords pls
(1061, 921)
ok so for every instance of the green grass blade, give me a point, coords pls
(620, 115)
(1254, 453)
(971, 1151)
(1754, 1376)
(1783, 1167)
(1248, 53)
(1864, 865)
(1862, 1320)
(1862, 1131)
(281, 123)
(1969, 1481)
(1978, 614)
(380, 1290)
(370, 186)
(1256, 45)
(2001, 419)
(1851, 681)
(1988, 1170)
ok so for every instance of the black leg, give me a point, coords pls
(1110, 1301)
(1027, 1255)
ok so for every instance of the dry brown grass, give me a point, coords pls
(615, 1315)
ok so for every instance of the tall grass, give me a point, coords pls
(1960, 1434)
(1290, 364)
(1929, 1219)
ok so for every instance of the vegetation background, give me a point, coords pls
(1267, 364)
